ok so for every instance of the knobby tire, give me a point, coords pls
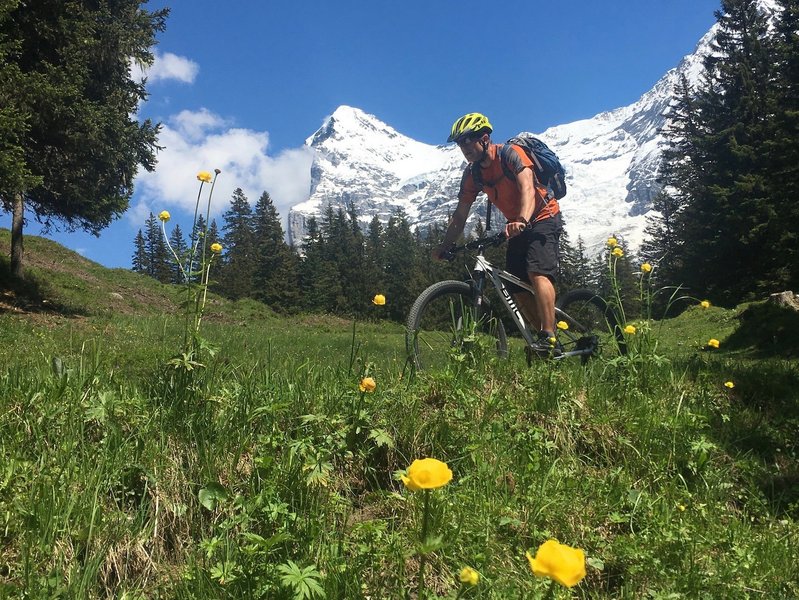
(587, 315)
(436, 320)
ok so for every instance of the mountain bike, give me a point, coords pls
(451, 315)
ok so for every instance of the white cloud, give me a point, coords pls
(166, 67)
(203, 141)
(194, 124)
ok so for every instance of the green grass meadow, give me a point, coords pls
(260, 470)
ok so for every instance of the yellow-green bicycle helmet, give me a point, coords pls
(469, 124)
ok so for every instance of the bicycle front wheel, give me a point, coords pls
(443, 322)
(591, 322)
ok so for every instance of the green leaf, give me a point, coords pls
(319, 474)
(381, 437)
(595, 563)
(305, 583)
(211, 494)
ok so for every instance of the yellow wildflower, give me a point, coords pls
(469, 575)
(379, 300)
(729, 384)
(164, 215)
(216, 247)
(646, 267)
(618, 252)
(367, 384)
(705, 304)
(204, 176)
(563, 325)
(612, 242)
(427, 474)
(559, 562)
(713, 343)
(630, 329)
(681, 507)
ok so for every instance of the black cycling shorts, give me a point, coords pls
(535, 250)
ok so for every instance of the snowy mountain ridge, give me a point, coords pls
(611, 163)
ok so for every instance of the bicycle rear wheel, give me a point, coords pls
(592, 323)
(443, 322)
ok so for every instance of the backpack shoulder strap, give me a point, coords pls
(477, 177)
(503, 159)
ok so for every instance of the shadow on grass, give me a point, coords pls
(766, 330)
(29, 294)
(763, 421)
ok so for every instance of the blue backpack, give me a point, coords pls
(548, 169)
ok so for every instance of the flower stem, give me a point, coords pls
(423, 557)
(168, 245)
(205, 281)
(195, 238)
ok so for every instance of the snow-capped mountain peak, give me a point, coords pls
(611, 163)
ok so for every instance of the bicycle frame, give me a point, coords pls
(484, 270)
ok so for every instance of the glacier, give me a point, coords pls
(611, 162)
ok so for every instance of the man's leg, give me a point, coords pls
(544, 301)
(527, 306)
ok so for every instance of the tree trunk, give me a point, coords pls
(17, 249)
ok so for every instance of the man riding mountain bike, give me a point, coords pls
(533, 214)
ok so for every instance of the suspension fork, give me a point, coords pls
(478, 284)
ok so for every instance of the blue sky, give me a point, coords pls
(240, 85)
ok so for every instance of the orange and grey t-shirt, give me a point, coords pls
(504, 192)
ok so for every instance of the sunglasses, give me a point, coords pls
(467, 141)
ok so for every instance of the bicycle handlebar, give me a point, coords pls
(492, 240)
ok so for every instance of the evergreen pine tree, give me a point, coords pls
(726, 226)
(275, 277)
(429, 271)
(783, 152)
(235, 276)
(402, 278)
(360, 289)
(374, 256)
(574, 267)
(158, 263)
(670, 238)
(661, 247)
(181, 250)
(139, 260)
(70, 142)
(212, 234)
(618, 280)
(319, 280)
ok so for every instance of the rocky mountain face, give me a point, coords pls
(611, 162)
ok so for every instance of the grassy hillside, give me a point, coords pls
(260, 470)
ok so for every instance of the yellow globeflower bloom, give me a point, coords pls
(427, 474)
(618, 252)
(469, 575)
(164, 215)
(705, 304)
(559, 562)
(205, 176)
(612, 242)
(216, 247)
(646, 267)
(630, 329)
(713, 343)
(729, 384)
(563, 325)
(379, 300)
(367, 384)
